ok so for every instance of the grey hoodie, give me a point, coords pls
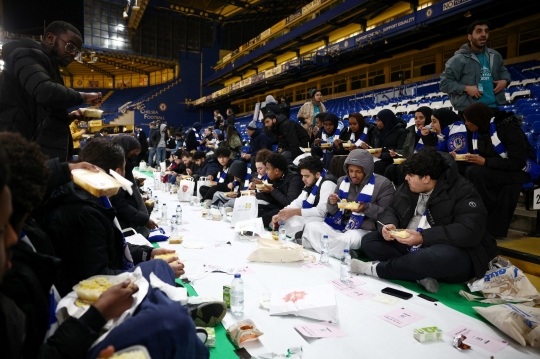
(383, 193)
(464, 69)
(162, 139)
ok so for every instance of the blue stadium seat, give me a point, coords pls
(531, 111)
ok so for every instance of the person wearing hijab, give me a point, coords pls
(193, 138)
(415, 140)
(311, 108)
(498, 164)
(450, 130)
(130, 209)
(285, 107)
(390, 137)
(359, 134)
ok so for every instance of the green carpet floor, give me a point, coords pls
(448, 294)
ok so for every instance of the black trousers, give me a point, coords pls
(500, 193)
(208, 192)
(266, 212)
(395, 174)
(442, 262)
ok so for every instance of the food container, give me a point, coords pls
(230, 194)
(348, 205)
(133, 352)
(97, 183)
(101, 282)
(347, 144)
(374, 150)
(264, 185)
(401, 233)
(92, 112)
(306, 150)
(398, 161)
(326, 145)
(463, 157)
(227, 295)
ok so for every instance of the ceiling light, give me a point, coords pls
(125, 15)
(120, 27)
(117, 67)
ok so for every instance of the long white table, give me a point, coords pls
(368, 335)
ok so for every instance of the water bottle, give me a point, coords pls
(157, 202)
(325, 255)
(345, 266)
(237, 295)
(149, 192)
(173, 220)
(164, 212)
(178, 214)
(282, 234)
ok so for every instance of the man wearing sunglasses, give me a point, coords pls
(33, 98)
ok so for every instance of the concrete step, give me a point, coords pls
(523, 220)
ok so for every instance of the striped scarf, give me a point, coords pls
(356, 219)
(246, 181)
(198, 138)
(531, 167)
(127, 259)
(454, 138)
(310, 197)
(263, 178)
(223, 175)
(362, 138)
(330, 139)
(420, 143)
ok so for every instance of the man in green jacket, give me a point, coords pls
(475, 73)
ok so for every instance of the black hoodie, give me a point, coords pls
(33, 98)
(291, 135)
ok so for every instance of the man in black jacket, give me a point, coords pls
(286, 187)
(291, 135)
(25, 286)
(72, 210)
(33, 98)
(445, 219)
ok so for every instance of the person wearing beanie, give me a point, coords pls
(240, 175)
(390, 135)
(314, 106)
(270, 106)
(475, 73)
(496, 171)
(258, 141)
(359, 133)
(415, 140)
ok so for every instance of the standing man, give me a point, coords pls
(218, 119)
(475, 73)
(151, 146)
(33, 98)
(230, 117)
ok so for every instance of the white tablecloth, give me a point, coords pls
(368, 335)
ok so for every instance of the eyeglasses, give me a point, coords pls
(72, 49)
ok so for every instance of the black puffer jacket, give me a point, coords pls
(286, 189)
(272, 108)
(291, 135)
(455, 212)
(514, 140)
(33, 98)
(28, 283)
(394, 140)
(84, 237)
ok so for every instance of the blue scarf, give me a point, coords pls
(246, 181)
(223, 175)
(362, 138)
(263, 178)
(197, 136)
(356, 219)
(423, 224)
(310, 198)
(454, 138)
(127, 260)
(531, 167)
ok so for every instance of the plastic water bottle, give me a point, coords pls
(345, 266)
(325, 255)
(164, 212)
(150, 192)
(178, 214)
(282, 234)
(237, 295)
(157, 202)
(173, 220)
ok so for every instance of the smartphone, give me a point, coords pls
(396, 293)
(428, 298)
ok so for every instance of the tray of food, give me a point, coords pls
(97, 183)
(133, 352)
(348, 205)
(463, 157)
(92, 112)
(230, 194)
(399, 160)
(306, 150)
(89, 290)
(374, 150)
(326, 145)
(400, 233)
(347, 144)
(263, 186)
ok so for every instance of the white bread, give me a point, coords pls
(96, 183)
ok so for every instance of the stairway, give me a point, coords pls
(164, 89)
